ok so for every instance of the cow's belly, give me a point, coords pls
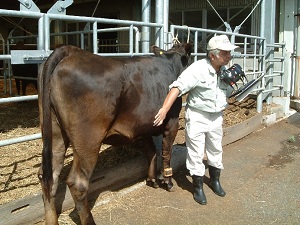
(127, 132)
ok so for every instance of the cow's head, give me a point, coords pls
(184, 50)
(180, 55)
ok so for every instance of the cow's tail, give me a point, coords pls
(46, 73)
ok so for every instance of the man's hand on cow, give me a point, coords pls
(170, 99)
(160, 116)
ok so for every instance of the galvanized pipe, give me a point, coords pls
(145, 38)
(95, 37)
(159, 18)
(47, 32)
(167, 38)
(131, 39)
(20, 139)
(297, 58)
(18, 99)
(40, 43)
(26, 14)
(262, 51)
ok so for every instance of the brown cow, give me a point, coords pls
(86, 100)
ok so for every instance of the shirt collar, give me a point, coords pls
(211, 69)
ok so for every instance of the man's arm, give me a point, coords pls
(169, 100)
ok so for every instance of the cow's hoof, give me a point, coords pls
(152, 183)
(170, 187)
(155, 185)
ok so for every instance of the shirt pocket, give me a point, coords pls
(207, 84)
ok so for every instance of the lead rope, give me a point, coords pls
(188, 38)
(175, 40)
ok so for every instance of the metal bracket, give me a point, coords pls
(28, 5)
(60, 7)
(29, 56)
(228, 28)
(237, 29)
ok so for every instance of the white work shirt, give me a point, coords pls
(206, 92)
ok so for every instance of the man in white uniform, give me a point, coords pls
(206, 101)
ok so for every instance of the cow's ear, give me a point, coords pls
(188, 47)
(157, 51)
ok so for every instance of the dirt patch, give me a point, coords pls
(20, 162)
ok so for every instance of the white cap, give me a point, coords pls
(220, 42)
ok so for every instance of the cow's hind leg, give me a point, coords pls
(150, 151)
(60, 144)
(85, 157)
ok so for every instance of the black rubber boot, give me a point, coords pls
(214, 174)
(199, 195)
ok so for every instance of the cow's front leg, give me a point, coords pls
(167, 169)
(167, 144)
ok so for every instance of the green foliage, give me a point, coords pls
(292, 139)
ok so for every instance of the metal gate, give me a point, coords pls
(251, 54)
(88, 39)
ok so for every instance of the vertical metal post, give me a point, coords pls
(95, 37)
(47, 32)
(145, 37)
(137, 38)
(40, 44)
(131, 39)
(159, 18)
(167, 38)
(297, 57)
(287, 30)
(269, 32)
(196, 46)
(261, 51)
(82, 41)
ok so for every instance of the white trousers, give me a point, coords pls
(203, 134)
